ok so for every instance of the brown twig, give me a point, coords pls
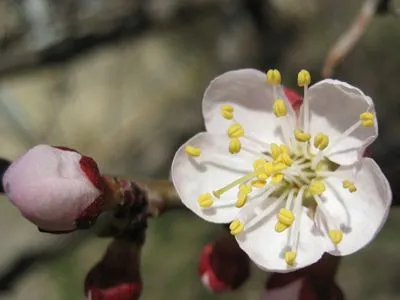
(161, 196)
(348, 40)
(132, 202)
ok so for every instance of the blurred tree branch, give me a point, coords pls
(350, 37)
(44, 31)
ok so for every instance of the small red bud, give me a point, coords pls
(117, 275)
(315, 282)
(223, 266)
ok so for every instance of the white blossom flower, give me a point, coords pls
(291, 186)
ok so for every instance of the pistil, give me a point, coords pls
(218, 193)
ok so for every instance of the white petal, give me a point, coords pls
(252, 98)
(214, 169)
(334, 107)
(361, 214)
(266, 247)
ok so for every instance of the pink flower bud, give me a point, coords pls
(55, 188)
(223, 266)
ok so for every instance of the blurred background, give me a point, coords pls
(122, 81)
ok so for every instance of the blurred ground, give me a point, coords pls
(131, 101)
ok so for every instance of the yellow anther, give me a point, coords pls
(284, 149)
(279, 108)
(281, 154)
(303, 78)
(368, 123)
(367, 116)
(258, 163)
(245, 188)
(353, 189)
(279, 227)
(367, 119)
(258, 183)
(235, 131)
(316, 188)
(192, 151)
(321, 141)
(274, 77)
(236, 227)
(285, 158)
(286, 217)
(262, 175)
(347, 184)
(290, 257)
(227, 111)
(336, 236)
(262, 169)
(278, 167)
(276, 178)
(242, 199)
(275, 151)
(235, 146)
(269, 168)
(205, 200)
(302, 136)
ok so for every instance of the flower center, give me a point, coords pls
(288, 178)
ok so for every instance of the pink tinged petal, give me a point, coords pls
(49, 187)
(361, 214)
(89, 167)
(266, 247)
(252, 98)
(335, 106)
(214, 169)
(91, 212)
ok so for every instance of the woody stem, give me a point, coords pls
(129, 203)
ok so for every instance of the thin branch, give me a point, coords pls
(142, 199)
(348, 40)
(162, 196)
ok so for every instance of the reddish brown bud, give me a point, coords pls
(315, 282)
(117, 275)
(223, 265)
